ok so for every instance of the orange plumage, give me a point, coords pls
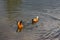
(35, 20)
(20, 26)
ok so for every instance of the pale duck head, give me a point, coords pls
(37, 17)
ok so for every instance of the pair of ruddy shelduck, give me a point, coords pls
(20, 24)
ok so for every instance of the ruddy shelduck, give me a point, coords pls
(20, 26)
(35, 20)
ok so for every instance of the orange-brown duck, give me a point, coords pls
(20, 26)
(35, 20)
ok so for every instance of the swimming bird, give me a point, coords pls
(35, 20)
(20, 26)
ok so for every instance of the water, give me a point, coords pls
(46, 29)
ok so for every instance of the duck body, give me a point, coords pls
(20, 26)
(35, 20)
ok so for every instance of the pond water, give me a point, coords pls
(48, 27)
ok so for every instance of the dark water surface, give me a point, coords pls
(48, 27)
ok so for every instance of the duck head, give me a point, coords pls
(37, 17)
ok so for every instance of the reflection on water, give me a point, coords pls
(26, 10)
(12, 11)
(13, 4)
